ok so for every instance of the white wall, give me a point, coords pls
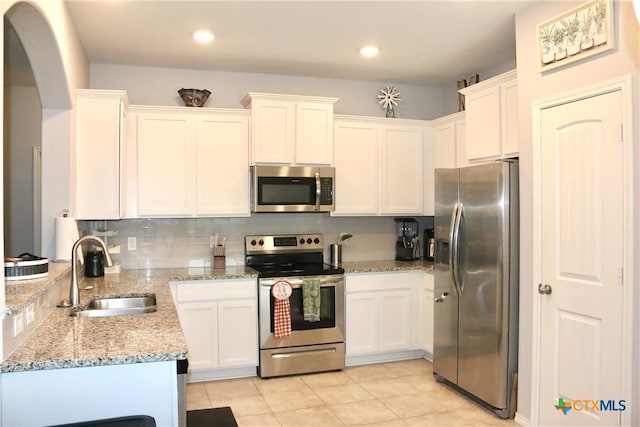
(533, 86)
(159, 86)
(23, 116)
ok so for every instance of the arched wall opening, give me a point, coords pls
(58, 63)
(34, 29)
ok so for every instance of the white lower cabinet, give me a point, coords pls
(219, 319)
(426, 315)
(382, 316)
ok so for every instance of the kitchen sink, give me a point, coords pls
(125, 305)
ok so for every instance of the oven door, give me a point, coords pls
(330, 327)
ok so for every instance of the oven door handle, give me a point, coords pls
(292, 282)
(297, 283)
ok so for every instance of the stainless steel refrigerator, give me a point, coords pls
(476, 282)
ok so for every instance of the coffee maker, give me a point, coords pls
(408, 243)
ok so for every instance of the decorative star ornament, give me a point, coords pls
(388, 99)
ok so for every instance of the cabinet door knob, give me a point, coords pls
(544, 289)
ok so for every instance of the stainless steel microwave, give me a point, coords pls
(292, 189)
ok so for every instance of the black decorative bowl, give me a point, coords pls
(194, 97)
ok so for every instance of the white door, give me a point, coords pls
(581, 319)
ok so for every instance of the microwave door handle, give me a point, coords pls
(318, 191)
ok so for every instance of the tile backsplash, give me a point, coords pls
(184, 242)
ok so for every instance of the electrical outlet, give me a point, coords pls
(30, 313)
(132, 243)
(18, 324)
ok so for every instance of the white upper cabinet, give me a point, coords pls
(287, 129)
(491, 118)
(509, 118)
(273, 131)
(356, 163)
(165, 159)
(429, 177)
(401, 170)
(222, 159)
(100, 116)
(379, 166)
(188, 162)
(449, 137)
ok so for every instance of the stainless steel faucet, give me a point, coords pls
(74, 291)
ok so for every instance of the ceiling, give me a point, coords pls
(421, 42)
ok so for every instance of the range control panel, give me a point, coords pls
(261, 244)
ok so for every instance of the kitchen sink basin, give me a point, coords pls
(118, 306)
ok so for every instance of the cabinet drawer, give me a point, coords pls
(367, 282)
(207, 290)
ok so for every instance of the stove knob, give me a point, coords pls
(309, 240)
(316, 240)
(253, 242)
(261, 242)
(302, 241)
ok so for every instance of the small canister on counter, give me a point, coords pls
(336, 254)
(219, 258)
(94, 264)
(429, 244)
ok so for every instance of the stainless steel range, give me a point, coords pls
(300, 305)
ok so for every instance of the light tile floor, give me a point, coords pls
(388, 394)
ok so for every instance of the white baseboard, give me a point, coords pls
(194, 376)
(368, 359)
(519, 419)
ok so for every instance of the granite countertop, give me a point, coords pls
(19, 293)
(62, 341)
(384, 266)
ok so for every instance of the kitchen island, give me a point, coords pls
(75, 369)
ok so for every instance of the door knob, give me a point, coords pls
(544, 289)
(441, 297)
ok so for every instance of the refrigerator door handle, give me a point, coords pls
(455, 240)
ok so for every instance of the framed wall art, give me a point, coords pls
(583, 31)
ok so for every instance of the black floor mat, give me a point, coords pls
(215, 417)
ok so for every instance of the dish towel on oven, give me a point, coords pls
(311, 300)
(281, 318)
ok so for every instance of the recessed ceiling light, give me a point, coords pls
(369, 51)
(203, 36)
